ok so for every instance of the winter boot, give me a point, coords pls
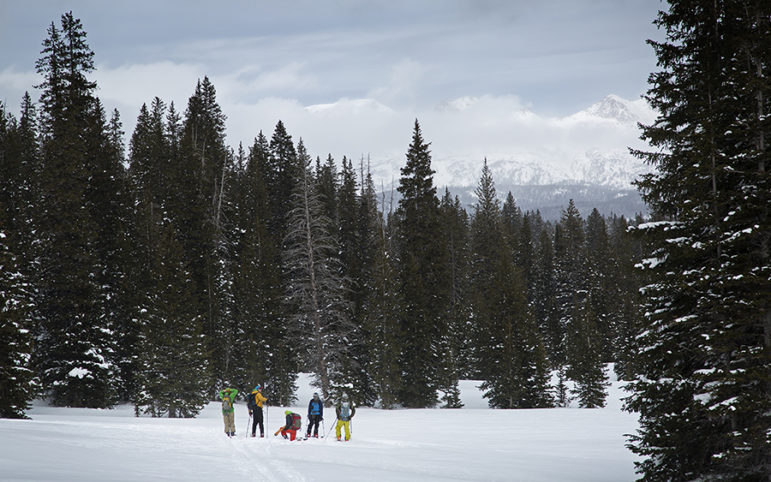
(254, 434)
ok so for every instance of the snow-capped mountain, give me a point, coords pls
(622, 110)
(542, 160)
(584, 157)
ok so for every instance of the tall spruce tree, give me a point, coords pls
(704, 389)
(75, 340)
(603, 295)
(202, 182)
(585, 356)
(457, 358)
(510, 354)
(569, 273)
(172, 378)
(17, 382)
(423, 277)
(383, 310)
(271, 360)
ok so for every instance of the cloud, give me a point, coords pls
(463, 129)
(135, 84)
(403, 83)
(14, 83)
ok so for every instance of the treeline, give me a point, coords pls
(160, 271)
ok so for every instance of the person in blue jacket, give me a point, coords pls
(315, 415)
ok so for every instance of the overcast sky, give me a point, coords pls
(375, 65)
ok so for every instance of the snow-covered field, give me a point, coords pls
(473, 443)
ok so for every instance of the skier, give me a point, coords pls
(292, 425)
(254, 403)
(228, 397)
(345, 412)
(315, 415)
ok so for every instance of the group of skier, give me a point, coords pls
(344, 412)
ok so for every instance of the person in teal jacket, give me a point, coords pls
(228, 397)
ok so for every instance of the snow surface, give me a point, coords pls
(473, 443)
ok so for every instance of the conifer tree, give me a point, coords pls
(76, 343)
(511, 358)
(703, 353)
(585, 357)
(315, 284)
(382, 318)
(368, 218)
(569, 272)
(458, 353)
(271, 359)
(423, 277)
(544, 301)
(627, 252)
(17, 383)
(603, 294)
(172, 378)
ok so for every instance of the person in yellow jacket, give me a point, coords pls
(228, 397)
(345, 412)
(254, 403)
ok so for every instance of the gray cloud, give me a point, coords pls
(486, 78)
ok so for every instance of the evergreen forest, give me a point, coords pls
(158, 266)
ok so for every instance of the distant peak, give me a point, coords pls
(613, 107)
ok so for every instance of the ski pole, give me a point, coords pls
(323, 428)
(330, 429)
(248, 422)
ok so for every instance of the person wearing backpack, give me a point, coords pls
(228, 397)
(292, 425)
(315, 415)
(254, 404)
(345, 412)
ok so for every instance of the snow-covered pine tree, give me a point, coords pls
(270, 359)
(569, 273)
(109, 201)
(172, 378)
(17, 387)
(76, 341)
(200, 200)
(354, 259)
(703, 390)
(319, 314)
